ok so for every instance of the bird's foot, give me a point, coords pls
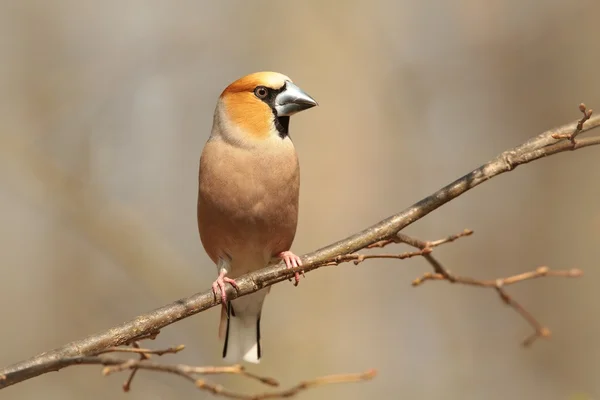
(219, 284)
(291, 260)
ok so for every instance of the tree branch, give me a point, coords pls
(190, 372)
(114, 364)
(540, 331)
(561, 139)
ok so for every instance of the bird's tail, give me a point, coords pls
(240, 325)
(242, 337)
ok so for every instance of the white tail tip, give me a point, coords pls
(242, 340)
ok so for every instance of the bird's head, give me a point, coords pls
(259, 106)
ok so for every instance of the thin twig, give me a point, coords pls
(424, 248)
(144, 355)
(358, 258)
(191, 373)
(325, 380)
(537, 273)
(587, 114)
(170, 350)
(399, 239)
(127, 384)
(540, 331)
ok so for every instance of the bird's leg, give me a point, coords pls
(291, 260)
(220, 284)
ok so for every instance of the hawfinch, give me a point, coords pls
(248, 196)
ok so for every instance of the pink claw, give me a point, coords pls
(291, 261)
(219, 284)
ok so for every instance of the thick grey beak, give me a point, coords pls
(292, 100)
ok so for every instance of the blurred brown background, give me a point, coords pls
(105, 107)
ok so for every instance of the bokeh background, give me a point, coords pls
(105, 107)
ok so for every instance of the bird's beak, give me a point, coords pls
(292, 100)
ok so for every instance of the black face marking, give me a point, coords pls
(281, 123)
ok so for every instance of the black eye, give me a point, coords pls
(261, 92)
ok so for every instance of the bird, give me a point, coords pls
(248, 191)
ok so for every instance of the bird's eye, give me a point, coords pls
(261, 92)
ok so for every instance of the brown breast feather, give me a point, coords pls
(247, 203)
